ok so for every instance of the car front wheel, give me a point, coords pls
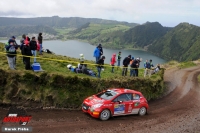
(142, 111)
(105, 115)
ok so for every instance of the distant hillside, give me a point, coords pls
(55, 21)
(119, 36)
(144, 35)
(182, 43)
(99, 33)
(18, 30)
(53, 25)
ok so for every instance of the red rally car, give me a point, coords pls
(115, 102)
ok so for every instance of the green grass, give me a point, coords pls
(186, 64)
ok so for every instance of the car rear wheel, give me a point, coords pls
(142, 111)
(105, 115)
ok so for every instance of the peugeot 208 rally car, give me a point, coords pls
(115, 102)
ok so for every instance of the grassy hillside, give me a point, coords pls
(143, 35)
(120, 36)
(108, 34)
(181, 43)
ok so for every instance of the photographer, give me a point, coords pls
(136, 65)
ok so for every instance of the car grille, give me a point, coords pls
(85, 107)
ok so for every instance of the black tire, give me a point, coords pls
(142, 111)
(105, 115)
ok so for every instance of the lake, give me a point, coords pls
(73, 48)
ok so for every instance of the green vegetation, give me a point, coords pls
(59, 87)
(120, 36)
(180, 43)
(108, 34)
(18, 30)
(187, 64)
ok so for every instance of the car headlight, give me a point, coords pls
(96, 106)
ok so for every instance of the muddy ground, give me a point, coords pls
(177, 112)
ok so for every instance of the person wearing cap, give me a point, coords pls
(100, 64)
(11, 52)
(12, 39)
(112, 62)
(119, 59)
(97, 53)
(27, 52)
(126, 62)
(40, 38)
(82, 58)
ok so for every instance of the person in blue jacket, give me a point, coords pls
(97, 53)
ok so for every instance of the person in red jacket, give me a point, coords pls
(112, 62)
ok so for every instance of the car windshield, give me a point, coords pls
(107, 95)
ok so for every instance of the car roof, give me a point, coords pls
(123, 90)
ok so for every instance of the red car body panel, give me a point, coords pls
(95, 105)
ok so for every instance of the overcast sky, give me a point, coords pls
(167, 12)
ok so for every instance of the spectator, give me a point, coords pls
(126, 62)
(27, 52)
(156, 69)
(40, 38)
(148, 66)
(21, 45)
(100, 67)
(119, 59)
(82, 58)
(11, 52)
(97, 53)
(132, 71)
(112, 62)
(33, 46)
(135, 65)
(101, 49)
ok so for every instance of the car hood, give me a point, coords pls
(93, 100)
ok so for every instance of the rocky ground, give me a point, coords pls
(177, 112)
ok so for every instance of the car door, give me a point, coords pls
(122, 104)
(136, 103)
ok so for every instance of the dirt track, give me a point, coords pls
(178, 111)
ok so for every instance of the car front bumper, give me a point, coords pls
(87, 109)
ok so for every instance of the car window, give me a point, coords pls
(123, 97)
(107, 95)
(136, 96)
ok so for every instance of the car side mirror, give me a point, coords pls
(120, 102)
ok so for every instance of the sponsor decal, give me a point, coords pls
(136, 104)
(119, 108)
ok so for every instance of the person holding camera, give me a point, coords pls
(135, 65)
